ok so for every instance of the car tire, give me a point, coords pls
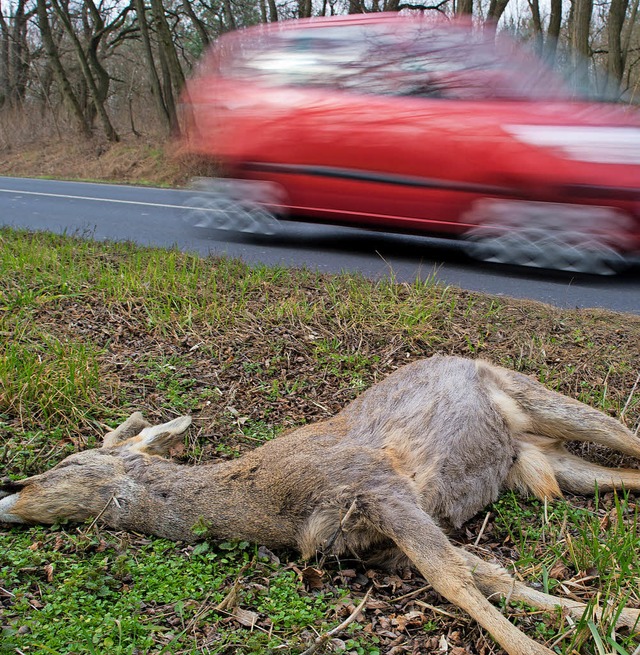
(526, 233)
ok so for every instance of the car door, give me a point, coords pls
(375, 139)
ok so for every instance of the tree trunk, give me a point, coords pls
(165, 39)
(169, 98)
(496, 9)
(304, 8)
(68, 96)
(230, 21)
(14, 54)
(465, 7)
(616, 57)
(553, 31)
(629, 29)
(537, 22)
(173, 76)
(197, 23)
(273, 11)
(92, 85)
(94, 36)
(21, 58)
(5, 82)
(156, 86)
(582, 10)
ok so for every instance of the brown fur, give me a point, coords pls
(425, 449)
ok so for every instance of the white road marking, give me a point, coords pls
(123, 202)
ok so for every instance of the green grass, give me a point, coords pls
(91, 332)
(97, 594)
(592, 553)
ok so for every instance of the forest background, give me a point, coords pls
(92, 73)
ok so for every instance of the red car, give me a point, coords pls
(419, 125)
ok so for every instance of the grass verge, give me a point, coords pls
(91, 332)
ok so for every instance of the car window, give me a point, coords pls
(404, 59)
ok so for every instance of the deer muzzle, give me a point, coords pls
(6, 505)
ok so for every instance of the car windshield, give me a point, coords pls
(407, 58)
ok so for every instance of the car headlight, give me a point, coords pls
(602, 145)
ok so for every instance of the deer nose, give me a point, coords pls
(6, 505)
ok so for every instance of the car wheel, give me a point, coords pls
(210, 212)
(233, 205)
(259, 220)
(531, 248)
(535, 234)
(219, 213)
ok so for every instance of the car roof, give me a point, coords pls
(389, 17)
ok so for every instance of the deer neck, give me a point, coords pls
(222, 500)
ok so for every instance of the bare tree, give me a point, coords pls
(536, 21)
(496, 9)
(580, 26)
(304, 8)
(553, 31)
(14, 53)
(172, 73)
(95, 76)
(616, 57)
(273, 10)
(69, 97)
(197, 22)
(167, 114)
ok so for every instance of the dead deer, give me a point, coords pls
(423, 450)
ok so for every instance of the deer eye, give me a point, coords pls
(11, 486)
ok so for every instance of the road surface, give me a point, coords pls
(151, 216)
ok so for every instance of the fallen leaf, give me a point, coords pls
(559, 571)
(410, 619)
(246, 618)
(312, 578)
(266, 554)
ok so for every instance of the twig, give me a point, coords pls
(338, 531)
(229, 601)
(321, 641)
(484, 525)
(435, 609)
(6, 591)
(626, 406)
(102, 511)
(507, 599)
(415, 592)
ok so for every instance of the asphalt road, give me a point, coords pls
(154, 217)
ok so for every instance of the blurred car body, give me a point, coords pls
(418, 125)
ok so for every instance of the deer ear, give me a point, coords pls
(130, 428)
(158, 439)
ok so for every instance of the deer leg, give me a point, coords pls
(497, 583)
(578, 476)
(444, 567)
(553, 415)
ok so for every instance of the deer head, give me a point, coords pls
(84, 484)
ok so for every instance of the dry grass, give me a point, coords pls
(140, 161)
